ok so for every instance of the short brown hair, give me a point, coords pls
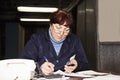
(61, 16)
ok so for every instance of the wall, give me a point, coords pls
(109, 20)
(108, 36)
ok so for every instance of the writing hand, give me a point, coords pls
(47, 68)
(71, 66)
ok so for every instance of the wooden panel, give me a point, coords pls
(109, 57)
(87, 29)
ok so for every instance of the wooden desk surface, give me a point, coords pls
(75, 78)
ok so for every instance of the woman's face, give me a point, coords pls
(59, 32)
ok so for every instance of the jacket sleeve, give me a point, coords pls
(80, 56)
(30, 49)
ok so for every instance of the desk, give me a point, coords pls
(56, 77)
(88, 75)
(75, 78)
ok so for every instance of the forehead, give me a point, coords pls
(64, 24)
(61, 25)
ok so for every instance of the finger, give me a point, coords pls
(45, 71)
(69, 69)
(47, 68)
(51, 66)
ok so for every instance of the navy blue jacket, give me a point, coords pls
(40, 45)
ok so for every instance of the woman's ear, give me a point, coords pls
(51, 26)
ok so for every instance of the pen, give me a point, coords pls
(70, 64)
(45, 58)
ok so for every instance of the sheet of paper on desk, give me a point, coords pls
(92, 73)
(107, 77)
(78, 74)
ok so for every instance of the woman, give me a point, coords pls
(54, 48)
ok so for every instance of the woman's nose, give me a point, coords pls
(62, 32)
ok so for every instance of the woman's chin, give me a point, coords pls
(58, 40)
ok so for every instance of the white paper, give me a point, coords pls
(73, 74)
(86, 75)
(107, 77)
(92, 73)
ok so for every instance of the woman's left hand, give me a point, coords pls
(71, 66)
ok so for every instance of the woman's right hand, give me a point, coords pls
(47, 68)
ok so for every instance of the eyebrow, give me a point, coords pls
(66, 26)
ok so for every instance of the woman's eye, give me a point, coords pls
(58, 27)
(67, 30)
